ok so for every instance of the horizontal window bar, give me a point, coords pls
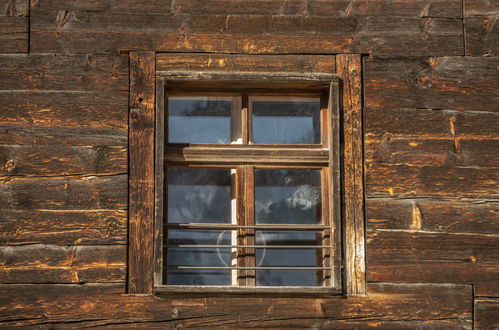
(256, 268)
(234, 227)
(251, 246)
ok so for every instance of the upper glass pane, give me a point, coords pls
(199, 195)
(285, 120)
(287, 196)
(200, 119)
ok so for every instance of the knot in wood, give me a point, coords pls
(10, 165)
(423, 81)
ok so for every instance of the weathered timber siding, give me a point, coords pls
(430, 84)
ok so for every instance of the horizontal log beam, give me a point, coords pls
(386, 305)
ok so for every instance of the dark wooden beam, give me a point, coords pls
(349, 69)
(141, 172)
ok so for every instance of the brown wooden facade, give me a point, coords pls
(77, 109)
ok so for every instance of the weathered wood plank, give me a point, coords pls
(454, 83)
(57, 27)
(64, 72)
(86, 136)
(396, 305)
(481, 32)
(251, 63)
(442, 181)
(481, 8)
(35, 160)
(63, 227)
(486, 314)
(486, 289)
(482, 35)
(14, 34)
(423, 123)
(14, 8)
(141, 164)
(40, 263)
(454, 216)
(64, 109)
(434, 152)
(432, 257)
(350, 71)
(416, 8)
(66, 193)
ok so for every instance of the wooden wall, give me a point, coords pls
(431, 86)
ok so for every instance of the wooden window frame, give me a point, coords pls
(146, 154)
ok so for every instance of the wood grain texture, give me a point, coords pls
(242, 63)
(58, 227)
(482, 35)
(58, 26)
(64, 109)
(41, 263)
(384, 180)
(440, 215)
(64, 193)
(14, 8)
(481, 32)
(486, 290)
(14, 34)
(416, 8)
(350, 71)
(141, 171)
(29, 160)
(429, 124)
(14, 26)
(481, 7)
(80, 136)
(64, 72)
(388, 305)
(449, 83)
(486, 313)
(435, 152)
(432, 257)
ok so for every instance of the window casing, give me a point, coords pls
(253, 253)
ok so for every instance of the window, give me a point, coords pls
(232, 144)
(250, 194)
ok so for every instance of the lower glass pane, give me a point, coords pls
(287, 257)
(183, 251)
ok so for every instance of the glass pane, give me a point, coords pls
(286, 120)
(199, 257)
(288, 196)
(199, 195)
(199, 119)
(293, 257)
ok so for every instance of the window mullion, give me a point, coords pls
(249, 191)
(245, 118)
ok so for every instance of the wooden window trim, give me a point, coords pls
(147, 90)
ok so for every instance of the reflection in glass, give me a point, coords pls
(288, 196)
(199, 195)
(286, 121)
(199, 257)
(293, 257)
(199, 119)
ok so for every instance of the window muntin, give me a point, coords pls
(256, 257)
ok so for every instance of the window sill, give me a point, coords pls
(244, 291)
